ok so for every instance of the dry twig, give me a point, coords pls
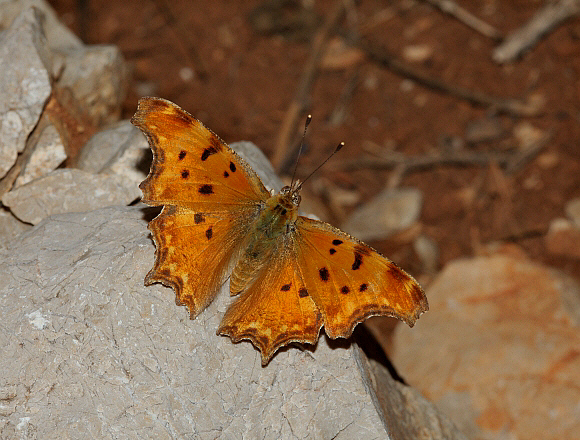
(298, 104)
(507, 105)
(524, 38)
(467, 18)
(510, 162)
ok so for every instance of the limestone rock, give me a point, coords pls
(120, 149)
(88, 350)
(10, 226)
(391, 211)
(96, 75)
(68, 190)
(57, 34)
(48, 154)
(498, 349)
(24, 83)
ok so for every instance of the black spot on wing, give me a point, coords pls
(357, 261)
(303, 292)
(232, 167)
(206, 189)
(209, 233)
(181, 155)
(185, 174)
(344, 289)
(208, 152)
(323, 273)
(363, 287)
(332, 251)
(198, 218)
(336, 242)
(226, 174)
(286, 287)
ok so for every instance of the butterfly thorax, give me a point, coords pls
(276, 218)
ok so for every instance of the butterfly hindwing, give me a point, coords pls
(349, 281)
(194, 251)
(192, 167)
(276, 308)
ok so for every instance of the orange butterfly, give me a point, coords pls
(293, 274)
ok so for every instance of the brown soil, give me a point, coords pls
(252, 75)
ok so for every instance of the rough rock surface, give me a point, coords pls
(88, 351)
(10, 226)
(57, 34)
(499, 350)
(68, 190)
(96, 75)
(48, 154)
(24, 83)
(391, 211)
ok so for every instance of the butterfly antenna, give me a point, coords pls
(336, 150)
(306, 124)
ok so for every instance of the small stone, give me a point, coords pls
(48, 154)
(68, 190)
(527, 135)
(96, 75)
(417, 53)
(483, 130)
(563, 238)
(119, 149)
(389, 212)
(428, 252)
(339, 55)
(572, 209)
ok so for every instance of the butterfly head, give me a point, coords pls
(291, 194)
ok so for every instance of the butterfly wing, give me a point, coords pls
(210, 197)
(195, 251)
(319, 275)
(276, 308)
(192, 167)
(349, 281)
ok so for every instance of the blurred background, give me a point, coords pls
(384, 80)
(461, 125)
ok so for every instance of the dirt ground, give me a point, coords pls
(238, 66)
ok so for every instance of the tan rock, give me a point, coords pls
(501, 337)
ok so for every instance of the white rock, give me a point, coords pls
(24, 83)
(10, 226)
(48, 154)
(107, 354)
(389, 212)
(57, 34)
(68, 190)
(97, 77)
(88, 350)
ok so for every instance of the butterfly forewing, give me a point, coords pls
(349, 281)
(192, 167)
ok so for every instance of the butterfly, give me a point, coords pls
(292, 275)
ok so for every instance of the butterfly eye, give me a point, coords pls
(296, 199)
